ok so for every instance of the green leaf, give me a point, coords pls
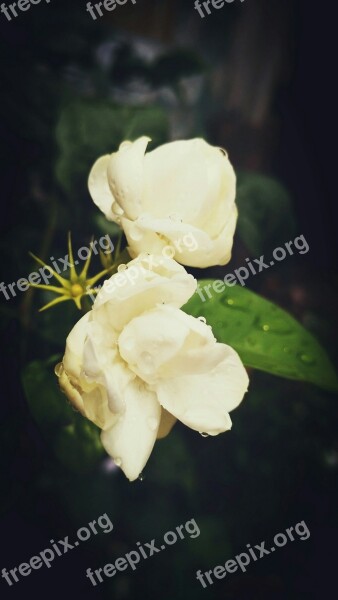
(265, 336)
(74, 440)
(266, 215)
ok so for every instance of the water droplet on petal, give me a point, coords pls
(224, 152)
(122, 268)
(205, 435)
(153, 423)
(141, 477)
(202, 319)
(129, 344)
(118, 462)
(116, 208)
(58, 370)
(136, 234)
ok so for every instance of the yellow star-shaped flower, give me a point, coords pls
(76, 286)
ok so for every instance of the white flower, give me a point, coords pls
(181, 195)
(136, 362)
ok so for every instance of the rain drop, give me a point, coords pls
(146, 357)
(202, 319)
(230, 301)
(136, 234)
(307, 359)
(58, 370)
(116, 208)
(205, 435)
(153, 423)
(141, 477)
(118, 462)
(122, 268)
(266, 327)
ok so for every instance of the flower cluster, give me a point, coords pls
(135, 363)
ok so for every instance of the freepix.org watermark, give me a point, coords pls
(203, 8)
(129, 275)
(242, 560)
(253, 267)
(144, 551)
(11, 10)
(46, 557)
(60, 265)
(97, 10)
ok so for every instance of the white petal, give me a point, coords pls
(102, 365)
(179, 179)
(132, 439)
(185, 243)
(166, 424)
(203, 401)
(151, 340)
(72, 360)
(148, 281)
(125, 175)
(99, 188)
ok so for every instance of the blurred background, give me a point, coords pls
(254, 78)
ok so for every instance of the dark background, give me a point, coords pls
(256, 78)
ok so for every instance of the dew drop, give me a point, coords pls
(118, 462)
(153, 423)
(266, 327)
(307, 359)
(136, 234)
(205, 435)
(58, 370)
(202, 319)
(128, 344)
(230, 301)
(122, 268)
(224, 152)
(146, 357)
(141, 477)
(116, 208)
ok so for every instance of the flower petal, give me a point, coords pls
(166, 424)
(147, 282)
(132, 439)
(183, 242)
(125, 175)
(203, 401)
(72, 360)
(188, 175)
(99, 188)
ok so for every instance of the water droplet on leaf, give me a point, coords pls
(307, 359)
